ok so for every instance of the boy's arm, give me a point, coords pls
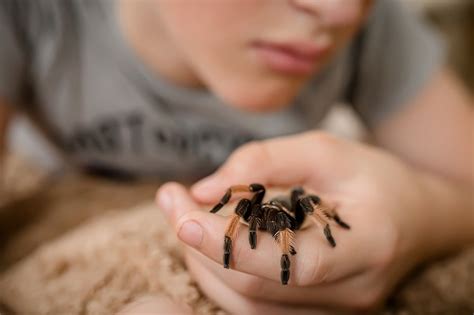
(436, 134)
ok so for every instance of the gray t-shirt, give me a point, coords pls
(69, 61)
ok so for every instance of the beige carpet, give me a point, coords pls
(56, 263)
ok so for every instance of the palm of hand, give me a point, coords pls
(370, 190)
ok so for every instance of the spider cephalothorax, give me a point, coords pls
(281, 217)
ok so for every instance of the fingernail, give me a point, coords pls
(165, 202)
(191, 233)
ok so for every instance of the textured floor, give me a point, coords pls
(85, 249)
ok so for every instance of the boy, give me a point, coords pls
(170, 88)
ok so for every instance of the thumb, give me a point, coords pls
(284, 161)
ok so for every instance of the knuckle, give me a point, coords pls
(244, 283)
(366, 300)
(327, 146)
(248, 285)
(323, 138)
(247, 158)
(312, 270)
(240, 253)
(386, 256)
(252, 150)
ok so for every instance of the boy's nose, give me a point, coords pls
(331, 12)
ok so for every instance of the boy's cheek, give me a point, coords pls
(344, 16)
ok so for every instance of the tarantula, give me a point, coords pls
(280, 216)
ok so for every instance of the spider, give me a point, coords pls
(280, 216)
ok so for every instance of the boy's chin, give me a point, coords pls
(255, 100)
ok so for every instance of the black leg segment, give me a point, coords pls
(285, 269)
(255, 221)
(227, 251)
(223, 201)
(328, 234)
(341, 223)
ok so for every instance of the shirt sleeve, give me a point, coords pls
(12, 54)
(398, 55)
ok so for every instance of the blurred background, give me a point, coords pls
(454, 19)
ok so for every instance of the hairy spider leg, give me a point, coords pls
(255, 222)
(258, 189)
(285, 239)
(329, 212)
(332, 214)
(268, 211)
(296, 208)
(315, 213)
(278, 222)
(341, 223)
(233, 227)
(271, 209)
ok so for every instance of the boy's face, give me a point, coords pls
(257, 54)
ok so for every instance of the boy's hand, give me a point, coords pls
(377, 195)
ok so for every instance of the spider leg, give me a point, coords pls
(258, 189)
(255, 221)
(296, 193)
(285, 238)
(298, 212)
(330, 213)
(228, 194)
(270, 211)
(232, 229)
(339, 221)
(314, 212)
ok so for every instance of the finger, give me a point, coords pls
(316, 261)
(282, 161)
(174, 200)
(348, 293)
(236, 303)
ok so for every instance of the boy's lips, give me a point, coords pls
(297, 58)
